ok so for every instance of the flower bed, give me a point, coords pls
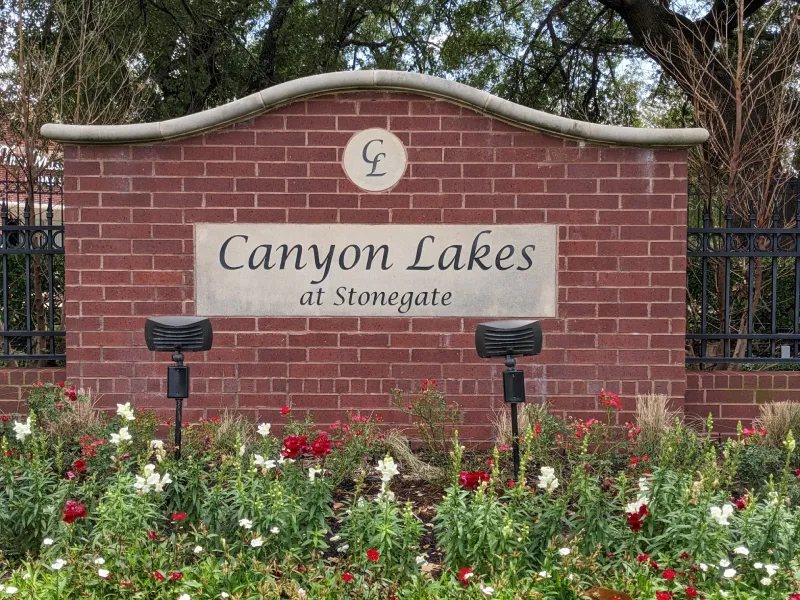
(96, 507)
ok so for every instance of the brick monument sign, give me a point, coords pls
(346, 233)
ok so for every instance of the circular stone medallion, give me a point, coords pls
(374, 159)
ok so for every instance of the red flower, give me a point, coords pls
(61, 384)
(794, 596)
(73, 510)
(635, 519)
(472, 480)
(347, 577)
(176, 576)
(373, 555)
(610, 399)
(511, 483)
(4, 418)
(294, 446)
(685, 556)
(284, 410)
(691, 592)
(152, 535)
(669, 574)
(159, 576)
(741, 503)
(464, 575)
(643, 558)
(178, 517)
(664, 595)
(321, 445)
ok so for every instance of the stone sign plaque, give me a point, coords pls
(376, 270)
(374, 159)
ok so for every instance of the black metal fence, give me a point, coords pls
(743, 287)
(32, 262)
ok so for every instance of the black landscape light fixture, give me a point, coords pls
(510, 339)
(178, 335)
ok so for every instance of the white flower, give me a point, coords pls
(157, 447)
(547, 480)
(263, 429)
(58, 565)
(301, 592)
(197, 549)
(312, 473)
(766, 581)
(633, 507)
(771, 569)
(47, 542)
(275, 530)
(242, 449)
(11, 590)
(151, 480)
(99, 561)
(22, 430)
(283, 460)
(264, 465)
(256, 542)
(487, 590)
(336, 538)
(564, 551)
(122, 436)
(387, 469)
(724, 563)
(721, 514)
(246, 523)
(103, 573)
(729, 573)
(741, 550)
(125, 411)
(343, 548)
(224, 595)
(757, 565)
(544, 574)
(184, 597)
(724, 594)
(703, 567)
(644, 484)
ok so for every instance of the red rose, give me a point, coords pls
(691, 592)
(321, 445)
(669, 574)
(179, 516)
(346, 576)
(73, 510)
(471, 481)
(159, 576)
(373, 555)
(284, 410)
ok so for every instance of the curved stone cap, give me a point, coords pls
(327, 83)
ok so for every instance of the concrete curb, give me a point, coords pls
(328, 83)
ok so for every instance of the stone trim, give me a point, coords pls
(328, 83)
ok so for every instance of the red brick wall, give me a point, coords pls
(733, 397)
(621, 214)
(15, 382)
